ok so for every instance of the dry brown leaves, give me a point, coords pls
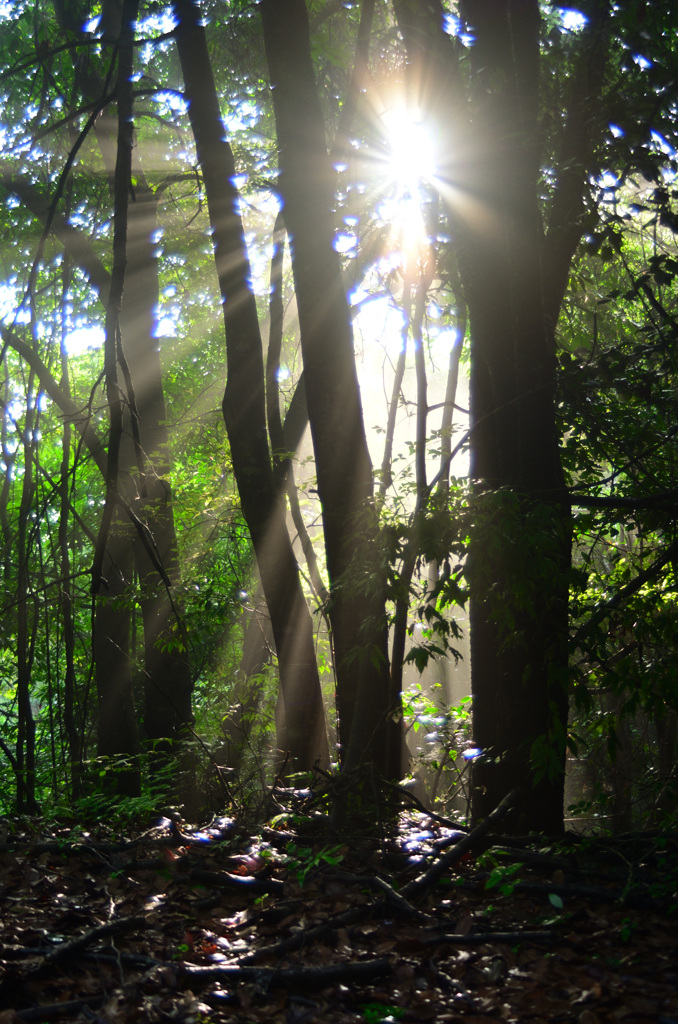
(105, 932)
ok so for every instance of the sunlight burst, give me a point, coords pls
(411, 152)
(410, 169)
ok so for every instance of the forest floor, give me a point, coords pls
(307, 927)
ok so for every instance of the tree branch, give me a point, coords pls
(75, 243)
(626, 592)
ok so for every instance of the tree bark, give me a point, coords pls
(118, 733)
(168, 679)
(112, 563)
(72, 723)
(283, 467)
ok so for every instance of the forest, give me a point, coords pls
(390, 205)
(338, 405)
(441, 239)
(338, 427)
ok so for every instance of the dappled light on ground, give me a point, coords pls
(308, 926)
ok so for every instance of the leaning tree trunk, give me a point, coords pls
(244, 408)
(366, 711)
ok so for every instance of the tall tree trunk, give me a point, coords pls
(111, 568)
(283, 468)
(8, 453)
(148, 546)
(520, 556)
(244, 407)
(368, 728)
(118, 733)
(513, 279)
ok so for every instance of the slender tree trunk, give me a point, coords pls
(71, 724)
(25, 741)
(71, 717)
(357, 86)
(386, 473)
(244, 407)
(367, 719)
(283, 466)
(412, 547)
(8, 452)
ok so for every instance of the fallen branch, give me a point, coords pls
(389, 895)
(305, 978)
(71, 1007)
(395, 899)
(249, 882)
(428, 878)
(73, 946)
(302, 937)
(415, 803)
(492, 938)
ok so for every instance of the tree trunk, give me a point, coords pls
(148, 546)
(142, 475)
(25, 741)
(245, 409)
(367, 726)
(117, 734)
(168, 681)
(520, 555)
(72, 719)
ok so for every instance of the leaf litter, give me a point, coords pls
(213, 925)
